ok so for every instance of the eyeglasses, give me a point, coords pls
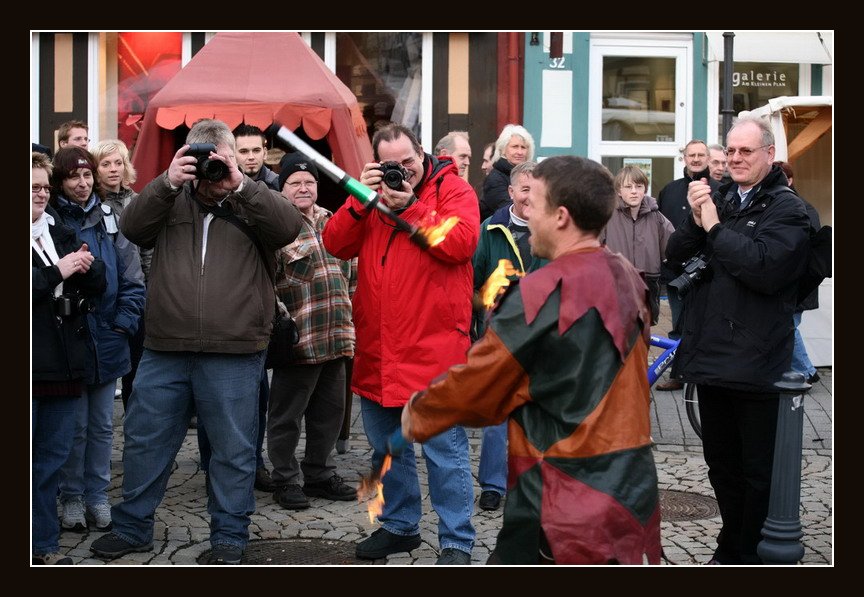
(745, 152)
(39, 187)
(302, 183)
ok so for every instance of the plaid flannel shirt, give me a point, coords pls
(317, 289)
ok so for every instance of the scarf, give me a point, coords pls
(40, 231)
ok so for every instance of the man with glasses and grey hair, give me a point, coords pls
(736, 325)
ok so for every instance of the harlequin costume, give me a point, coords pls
(565, 358)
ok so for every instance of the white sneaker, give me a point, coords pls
(72, 514)
(100, 516)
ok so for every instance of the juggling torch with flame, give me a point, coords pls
(425, 236)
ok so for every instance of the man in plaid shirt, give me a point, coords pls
(316, 288)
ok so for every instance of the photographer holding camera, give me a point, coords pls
(209, 313)
(736, 325)
(412, 312)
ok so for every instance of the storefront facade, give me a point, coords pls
(616, 97)
(625, 97)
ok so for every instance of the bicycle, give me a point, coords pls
(660, 364)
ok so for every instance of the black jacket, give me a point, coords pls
(495, 192)
(812, 299)
(736, 325)
(672, 202)
(62, 347)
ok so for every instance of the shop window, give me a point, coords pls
(638, 98)
(384, 71)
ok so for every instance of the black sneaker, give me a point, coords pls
(111, 546)
(813, 378)
(490, 500)
(332, 489)
(263, 481)
(453, 557)
(225, 555)
(291, 497)
(382, 543)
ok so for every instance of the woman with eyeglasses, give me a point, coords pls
(66, 278)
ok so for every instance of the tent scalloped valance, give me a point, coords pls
(315, 119)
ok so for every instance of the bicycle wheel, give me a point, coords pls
(691, 405)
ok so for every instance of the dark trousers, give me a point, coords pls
(345, 432)
(313, 395)
(738, 430)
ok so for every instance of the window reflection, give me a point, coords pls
(145, 63)
(384, 71)
(638, 99)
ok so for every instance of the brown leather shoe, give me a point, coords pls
(670, 386)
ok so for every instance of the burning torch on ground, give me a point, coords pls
(424, 236)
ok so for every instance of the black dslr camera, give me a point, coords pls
(70, 305)
(693, 269)
(393, 174)
(212, 170)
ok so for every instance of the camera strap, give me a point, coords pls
(224, 212)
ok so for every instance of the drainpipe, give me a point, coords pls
(513, 77)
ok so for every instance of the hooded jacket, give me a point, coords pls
(119, 309)
(643, 240)
(412, 307)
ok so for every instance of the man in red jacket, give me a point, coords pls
(412, 312)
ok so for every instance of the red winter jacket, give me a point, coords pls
(412, 307)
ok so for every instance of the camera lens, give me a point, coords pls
(212, 170)
(393, 179)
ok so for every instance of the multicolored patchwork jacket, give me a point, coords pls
(565, 358)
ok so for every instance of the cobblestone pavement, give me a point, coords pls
(327, 532)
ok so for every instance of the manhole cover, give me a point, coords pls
(682, 505)
(296, 552)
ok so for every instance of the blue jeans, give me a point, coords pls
(800, 358)
(52, 430)
(224, 390)
(492, 473)
(451, 487)
(87, 472)
(263, 401)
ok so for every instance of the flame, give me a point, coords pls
(373, 486)
(497, 282)
(436, 233)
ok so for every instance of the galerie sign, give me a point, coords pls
(779, 79)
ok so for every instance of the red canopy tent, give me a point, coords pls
(257, 78)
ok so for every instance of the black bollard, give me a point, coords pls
(781, 531)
